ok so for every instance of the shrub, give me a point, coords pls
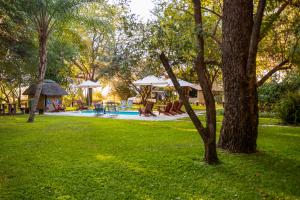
(288, 109)
(271, 92)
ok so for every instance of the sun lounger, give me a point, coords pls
(58, 107)
(147, 111)
(81, 106)
(166, 109)
(179, 108)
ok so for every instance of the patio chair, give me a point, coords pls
(166, 109)
(179, 108)
(129, 103)
(81, 106)
(174, 108)
(111, 107)
(99, 108)
(57, 107)
(147, 111)
(123, 105)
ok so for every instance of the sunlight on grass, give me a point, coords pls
(186, 129)
(92, 158)
(104, 157)
(131, 166)
(123, 163)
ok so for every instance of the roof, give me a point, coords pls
(50, 88)
(150, 80)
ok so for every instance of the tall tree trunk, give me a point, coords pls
(240, 40)
(204, 80)
(42, 70)
(208, 137)
(208, 133)
(19, 95)
(90, 96)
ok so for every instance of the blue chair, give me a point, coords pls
(99, 108)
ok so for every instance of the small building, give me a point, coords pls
(51, 92)
(196, 94)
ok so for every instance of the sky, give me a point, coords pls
(142, 8)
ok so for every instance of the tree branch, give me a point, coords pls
(273, 17)
(280, 66)
(212, 11)
(251, 69)
(197, 123)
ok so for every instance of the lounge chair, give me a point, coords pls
(179, 111)
(166, 109)
(147, 111)
(81, 106)
(58, 107)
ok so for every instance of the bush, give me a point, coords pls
(271, 92)
(288, 109)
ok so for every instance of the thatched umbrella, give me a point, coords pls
(50, 90)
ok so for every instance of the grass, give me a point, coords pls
(92, 158)
(262, 121)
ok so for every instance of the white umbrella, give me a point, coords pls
(88, 84)
(182, 83)
(150, 80)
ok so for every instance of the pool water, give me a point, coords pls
(132, 113)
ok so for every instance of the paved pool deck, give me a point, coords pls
(160, 117)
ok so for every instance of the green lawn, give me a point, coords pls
(90, 158)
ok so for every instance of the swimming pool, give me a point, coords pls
(131, 113)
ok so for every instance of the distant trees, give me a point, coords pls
(130, 59)
(44, 15)
(19, 47)
(17, 55)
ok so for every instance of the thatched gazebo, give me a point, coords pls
(51, 92)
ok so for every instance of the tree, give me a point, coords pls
(17, 54)
(94, 33)
(130, 59)
(242, 32)
(208, 133)
(174, 33)
(44, 15)
(61, 51)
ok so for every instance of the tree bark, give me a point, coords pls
(239, 50)
(42, 70)
(19, 95)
